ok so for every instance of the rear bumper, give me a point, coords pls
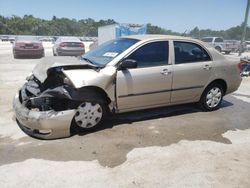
(70, 52)
(28, 52)
(234, 84)
(43, 124)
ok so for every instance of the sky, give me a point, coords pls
(176, 15)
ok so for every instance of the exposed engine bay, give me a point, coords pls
(56, 92)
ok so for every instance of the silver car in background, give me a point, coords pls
(68, 46)
(122, 75)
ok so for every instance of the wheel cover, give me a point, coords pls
(88, 115)
(214, 97)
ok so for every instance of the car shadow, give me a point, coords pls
(148, 114)
(28, 57)
(124, 132)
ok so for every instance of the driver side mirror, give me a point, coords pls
(128, 64)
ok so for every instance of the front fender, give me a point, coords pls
(103, 79)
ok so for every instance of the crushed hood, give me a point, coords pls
(40, 70)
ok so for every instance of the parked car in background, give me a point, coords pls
(245, 70)
(247, 45)
(28, 46)
(4, 38)
(245, 66)
(46, 39)
(12, 39)
(235, 45)
(125, 74)
(68, 46)
(219, 44)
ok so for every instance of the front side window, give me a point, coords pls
(186, 52)
(152, 54)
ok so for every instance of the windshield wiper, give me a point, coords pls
(88, 60)
(92, 63)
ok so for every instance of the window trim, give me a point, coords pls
(193, 42)
(145, 43)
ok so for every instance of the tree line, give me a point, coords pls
(30, 25)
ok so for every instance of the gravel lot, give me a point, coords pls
(176, 146)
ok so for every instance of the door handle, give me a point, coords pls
(165, 72)
(207, 67)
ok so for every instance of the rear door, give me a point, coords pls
(150, 83)
(191, 71)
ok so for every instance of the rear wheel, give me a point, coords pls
(212, 97)
(54, 54)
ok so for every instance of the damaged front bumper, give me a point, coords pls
(43, 124)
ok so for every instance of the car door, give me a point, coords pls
(150, 83)
(192, 70)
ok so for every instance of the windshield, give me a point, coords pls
(26, 38)
(108, 51)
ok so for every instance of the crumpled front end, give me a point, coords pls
(45, 110)
(43, 124)
(46, 105)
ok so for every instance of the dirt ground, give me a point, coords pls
(178, 146)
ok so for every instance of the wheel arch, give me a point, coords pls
(220, 81)
(99, 91)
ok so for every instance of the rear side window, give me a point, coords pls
(207, 39)
(152, 54)
(187, 52)
(218, 40)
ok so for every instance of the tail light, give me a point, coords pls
(19, 44)
(81, 45)
(38, 45)
(63, 44)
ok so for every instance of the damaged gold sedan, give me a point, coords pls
(127, 74)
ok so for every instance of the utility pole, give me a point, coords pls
(244, 28)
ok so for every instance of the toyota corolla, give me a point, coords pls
(126, 74)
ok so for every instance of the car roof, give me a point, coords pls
(71, 39)
(26, 38)
(149, 37)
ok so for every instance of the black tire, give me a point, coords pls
(94, 98)
(54, 54)
(218, 48)
(227, 52)
(15, 56)
(203, 103)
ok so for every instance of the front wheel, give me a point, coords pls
(90, 113)
(212, 97)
